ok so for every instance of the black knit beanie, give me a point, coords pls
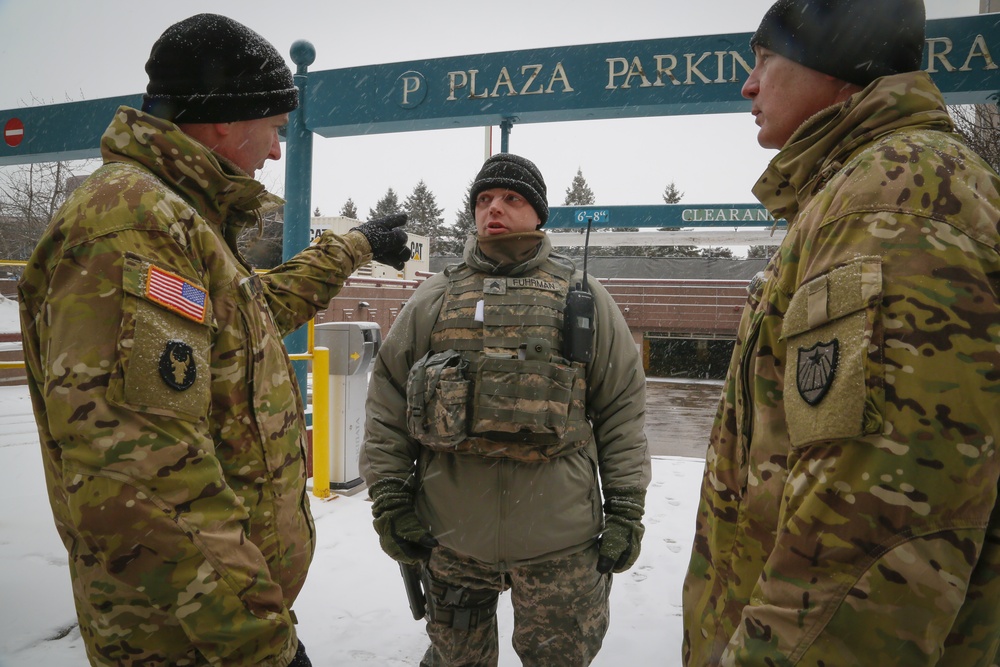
(212, 69)
(853, 40)
(513, 172)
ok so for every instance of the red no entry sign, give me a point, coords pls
(13, 132)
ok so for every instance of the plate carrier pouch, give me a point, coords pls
(499, 387)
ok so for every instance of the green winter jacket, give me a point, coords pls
(171, 424)
(848, 513)
(502, 511)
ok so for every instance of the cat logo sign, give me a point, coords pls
(416, 250)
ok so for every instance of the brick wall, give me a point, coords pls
(673, 308)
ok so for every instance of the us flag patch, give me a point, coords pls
(175, 293)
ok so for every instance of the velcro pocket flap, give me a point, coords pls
(831, 375)
(164, 345)
(829, 297)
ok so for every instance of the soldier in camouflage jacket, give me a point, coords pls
(171, 424)
(848, 513)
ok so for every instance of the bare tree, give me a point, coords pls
(979, 125)
(262, 245)
(761, 251)
(30, 195)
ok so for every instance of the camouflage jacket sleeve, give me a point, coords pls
(308, 281)
(616, 398)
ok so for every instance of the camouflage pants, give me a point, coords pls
(561, 612)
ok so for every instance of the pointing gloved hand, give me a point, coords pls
(400, 533)
(300, 659)
(387, 240)
(619, 543)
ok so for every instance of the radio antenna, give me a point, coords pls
(578, 317)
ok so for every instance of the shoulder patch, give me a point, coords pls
(175, 293)
(816, 370)
(177, 365)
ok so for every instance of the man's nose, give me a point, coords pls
(750, 87)
(275, 153)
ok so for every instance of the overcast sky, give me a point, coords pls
(55, 51)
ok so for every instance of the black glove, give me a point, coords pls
(619, 543)
(387, 240)
(300, 659)
(400, 533)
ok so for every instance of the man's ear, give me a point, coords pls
(209, 134)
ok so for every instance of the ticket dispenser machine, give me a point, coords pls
(353, 347)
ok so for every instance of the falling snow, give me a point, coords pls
(352, 611)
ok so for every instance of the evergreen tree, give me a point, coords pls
(579, 193)
(349, 210)
(316, 212)
(424, 215)
(716, 252)
(387, 205)
(678, 251)
(452, 239)
(671, 195)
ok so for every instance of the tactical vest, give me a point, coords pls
(495, 382)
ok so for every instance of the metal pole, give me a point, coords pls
(505, 127)
(298, 186)
(321, 422)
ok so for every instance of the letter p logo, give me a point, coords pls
(412, 89)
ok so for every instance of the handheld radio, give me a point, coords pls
(578, 318)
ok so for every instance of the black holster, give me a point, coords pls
(457, 607)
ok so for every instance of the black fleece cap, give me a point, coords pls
(513, 172)
(853, 40)
(212, 69)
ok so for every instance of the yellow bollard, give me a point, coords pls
(321, 422)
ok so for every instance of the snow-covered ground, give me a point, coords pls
(352, 611)
(8, 315)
